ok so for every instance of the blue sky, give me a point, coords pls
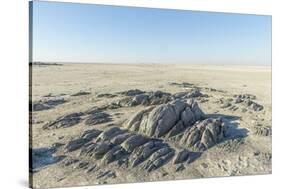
(71, 32)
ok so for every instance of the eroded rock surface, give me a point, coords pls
(262, 130)
(158, 121)
(64, 121)
(137, 97)
(46, 104)
(81, 93)
(122, 146)
(247, 100)
(98, 117)
(181, 121)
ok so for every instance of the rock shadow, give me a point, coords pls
(42, 157)
(233, 131)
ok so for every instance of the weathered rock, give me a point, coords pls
(139, 99)
(137, 118)
(262, 130)
(106, 95)
(79, 142)
(64, 121)
(184, 84)
(101, 149)
(179, 167)
(195, 93)
(177, 129)
(93, 168)
(254, 106)
(132, 92)
(180, 95)
(96, 150)
(38, 106)
(132, 142)
(181, 157)
(110, 133)
(46, 104)
(187, 117)
(247, 99)
(75, 144)
(69, 162)
(160, 120)
(204, 134)
(98, 117)
(114, 154)
(145, 152)
(120, 138)
(81, 93)
(90, 134)
(159, 158)
(226, 104)
(149, 98)
(159, 97)
(83, 165)
(197, 112)
(245, 96)
(106, 174)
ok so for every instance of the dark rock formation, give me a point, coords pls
(97, 117)
(64, 121)
(247, 100)
(262, 130)
(81, 93)
(46, 104)
(85, 137)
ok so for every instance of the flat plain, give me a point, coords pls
(120, 123)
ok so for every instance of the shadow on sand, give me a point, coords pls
(233, 131)
(42, 157)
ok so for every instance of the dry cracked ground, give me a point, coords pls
(99, 124)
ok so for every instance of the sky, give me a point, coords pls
(87, 33)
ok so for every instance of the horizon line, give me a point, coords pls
(137, 63)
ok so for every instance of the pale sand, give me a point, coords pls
(111, 78)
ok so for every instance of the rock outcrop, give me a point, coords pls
(158, 121)
(46, 104)
(181, 121)
(64, 121)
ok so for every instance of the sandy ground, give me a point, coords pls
(243, 153)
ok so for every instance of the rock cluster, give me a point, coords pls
(137, 97)
(262, 130)
(93, 117)
(143, 98)
(181, 121)
(87, 136)
(247, 100)
(132, 92)
(195, 93)
(183, 85)
(64, 121)
(46, 104)
(121, 146)
(204, 135)
(97, 117)
(160, 120)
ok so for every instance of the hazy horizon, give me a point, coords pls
(88, 33)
